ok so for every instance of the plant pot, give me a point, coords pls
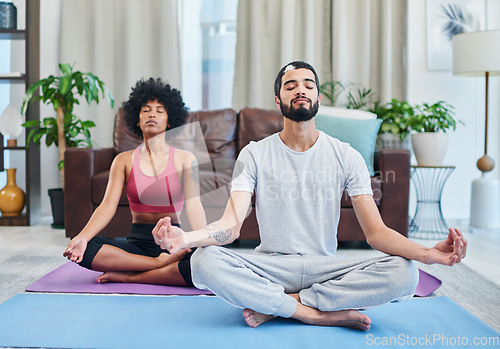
(429, 147)
(57, 205)
(392, 141)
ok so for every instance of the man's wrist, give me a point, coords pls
(189, 239)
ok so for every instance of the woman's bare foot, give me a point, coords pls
(115, 276)
(254, 319)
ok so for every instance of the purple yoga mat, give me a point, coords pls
(427, 284)
(71, 278)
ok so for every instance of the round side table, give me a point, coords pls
(428, 221)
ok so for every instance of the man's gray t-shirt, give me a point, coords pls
(298, 194)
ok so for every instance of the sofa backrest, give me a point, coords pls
(123, 138)
(218, 127)
(219, 131)
(225, 131)
(256, 124)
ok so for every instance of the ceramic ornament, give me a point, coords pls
(11, 121)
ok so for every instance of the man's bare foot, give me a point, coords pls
(115, 276)
(342, 318)
(254, 319)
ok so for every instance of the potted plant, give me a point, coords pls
(66, 129)
(430, 140)
(395, 128)
(347, 95)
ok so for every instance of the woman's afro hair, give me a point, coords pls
(150, 90)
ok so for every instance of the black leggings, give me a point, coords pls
(140, 241)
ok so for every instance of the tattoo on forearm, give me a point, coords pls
(195, 175)
(220, 235)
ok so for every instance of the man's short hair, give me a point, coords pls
(289, 66)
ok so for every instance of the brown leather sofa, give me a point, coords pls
(225, 132)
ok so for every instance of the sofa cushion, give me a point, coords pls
(219, 131)
(346, 113)
(218, 127)
(99, 183)
(360, 134)
(256, 124)
(123, 138)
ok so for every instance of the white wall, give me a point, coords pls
(467, 95)
(49, 59)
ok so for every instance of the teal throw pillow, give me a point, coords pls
(360, 134)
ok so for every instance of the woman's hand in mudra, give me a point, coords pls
(168, 236)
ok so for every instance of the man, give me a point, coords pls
(299, 175)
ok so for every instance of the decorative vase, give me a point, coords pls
(12, 198)
(429, 147)
(8, 15)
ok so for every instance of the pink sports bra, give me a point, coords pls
(162, 193)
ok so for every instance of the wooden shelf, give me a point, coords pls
(12, 148)
(29, 75)
(12, 79)
(21, 220)
(12, 34)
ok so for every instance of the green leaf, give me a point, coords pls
(30, 137)
(88, 124)
(37, 135)
(65, 68)
(29, 95)
(109, 96)
(65, 84)
(31, 123)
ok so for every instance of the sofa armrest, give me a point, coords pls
(80, 165)
(393, 168)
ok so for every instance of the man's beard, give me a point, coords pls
(300, 114)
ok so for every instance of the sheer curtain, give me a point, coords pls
(120, 41)
(360, 41)
(369, 41)
(271, 33)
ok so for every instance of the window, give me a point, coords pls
(208, 52)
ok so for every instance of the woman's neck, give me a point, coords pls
(156, 144)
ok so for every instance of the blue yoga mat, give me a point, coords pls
(89, 321)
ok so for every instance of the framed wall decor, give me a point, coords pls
(446, 18)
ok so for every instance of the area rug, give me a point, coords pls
(104, 321)
(71, 278)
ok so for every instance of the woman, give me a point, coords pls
(159, 181)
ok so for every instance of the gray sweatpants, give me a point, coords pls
(262, 282)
